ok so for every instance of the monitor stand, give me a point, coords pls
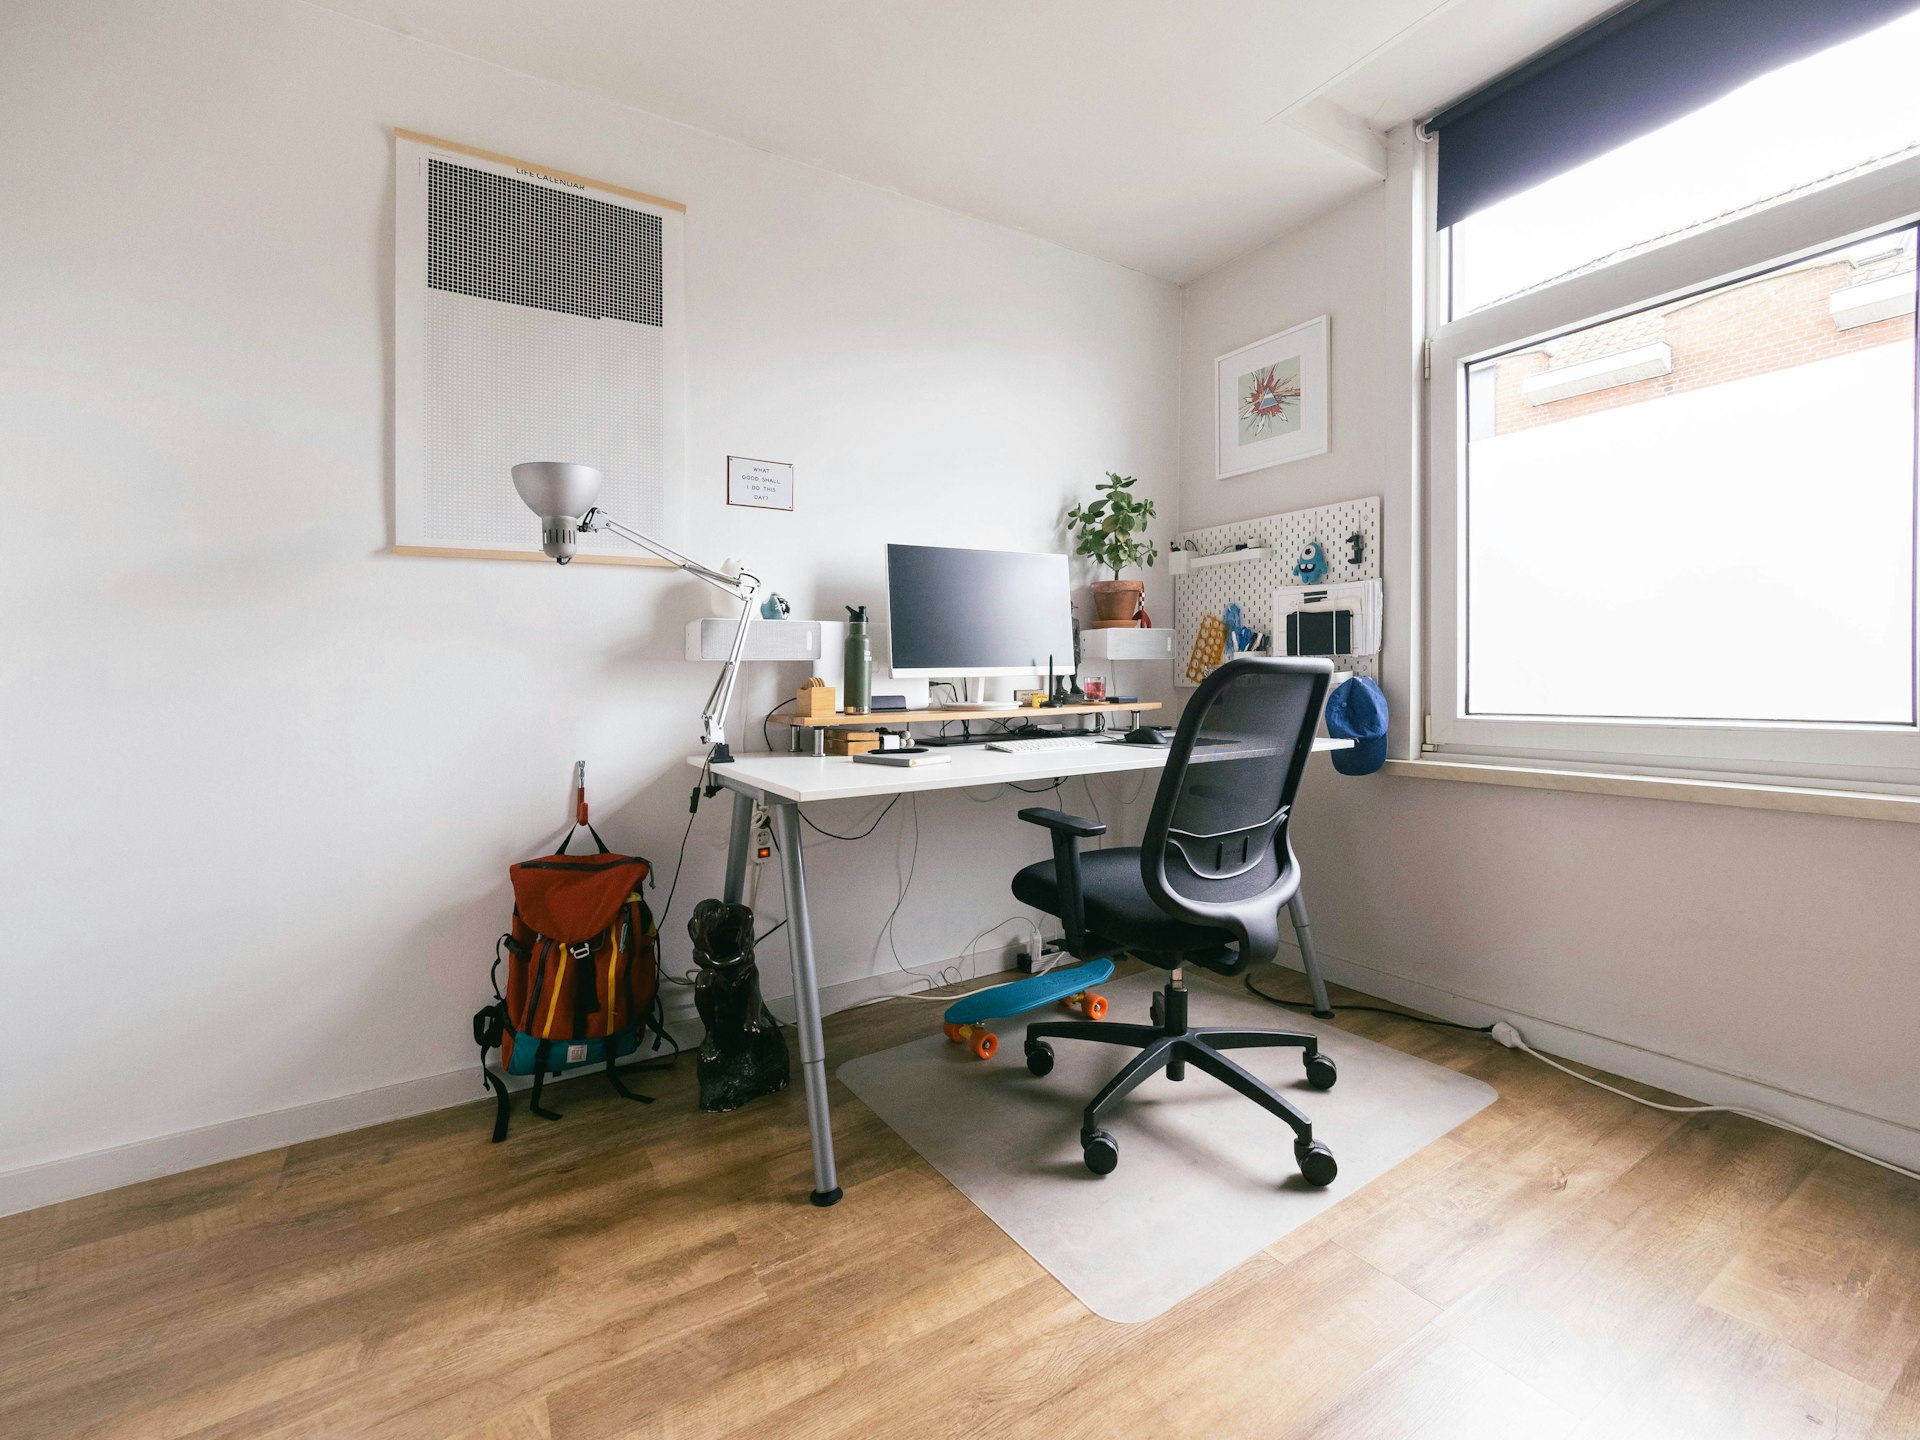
(967, 702)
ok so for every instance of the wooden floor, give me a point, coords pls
(1565, 1264)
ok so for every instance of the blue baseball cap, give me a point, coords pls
(1357, 711)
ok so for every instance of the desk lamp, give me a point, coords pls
(562, 495)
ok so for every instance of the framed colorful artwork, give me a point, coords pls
(1271, 401)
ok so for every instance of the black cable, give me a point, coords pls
(831, 835)
(1370, 1009)
(693, 813)
(760, 938)
(1036, 789)
(764, 736)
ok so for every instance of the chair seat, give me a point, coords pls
(1119, 909)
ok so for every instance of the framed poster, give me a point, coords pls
(762, 484)
(1271, 401)
(537, 316)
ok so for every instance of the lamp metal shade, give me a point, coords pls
(559, 492)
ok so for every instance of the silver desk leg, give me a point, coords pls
(806, 999)
(1303, 932)
(739, 844)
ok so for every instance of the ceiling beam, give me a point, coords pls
(1341, 131)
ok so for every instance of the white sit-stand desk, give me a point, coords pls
(784, 782)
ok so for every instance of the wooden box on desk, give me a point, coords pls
(852, 742)
(814, 701)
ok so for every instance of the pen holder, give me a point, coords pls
(814, 701)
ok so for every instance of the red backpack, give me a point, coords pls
(583, 977)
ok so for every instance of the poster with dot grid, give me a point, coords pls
(537, 316)
(1250, 583)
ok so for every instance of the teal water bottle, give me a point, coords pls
(859, 671)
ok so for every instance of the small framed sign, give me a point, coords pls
(763, 484)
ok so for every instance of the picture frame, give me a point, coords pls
(759, 484)
(1270, 400)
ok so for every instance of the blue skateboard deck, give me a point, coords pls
(1017, 997)
(965, 1018)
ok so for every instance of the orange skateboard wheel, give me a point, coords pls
(985, 1042)
(1096, 1007)
(951, 1031)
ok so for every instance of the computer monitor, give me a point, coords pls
(977, 612)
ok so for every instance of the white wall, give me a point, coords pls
(262, 779)
(1736, 955)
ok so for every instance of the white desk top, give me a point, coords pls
(803, 778)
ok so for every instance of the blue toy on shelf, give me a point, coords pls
(965, 1020)
(1311, 568)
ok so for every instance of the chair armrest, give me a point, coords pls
(1067, 832)
(1062, 823)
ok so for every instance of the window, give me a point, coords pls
(1673, 481)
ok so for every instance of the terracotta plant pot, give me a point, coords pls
(1114, 602)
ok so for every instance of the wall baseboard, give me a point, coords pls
(1891, 1140)
(31, 1186)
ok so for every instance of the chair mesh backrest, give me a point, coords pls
(1217, 836)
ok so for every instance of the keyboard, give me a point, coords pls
(1044, 742)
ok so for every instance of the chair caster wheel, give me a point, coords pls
(1316, 1162)
(1321, 1072)
(1102, 1154)
(1039, 1057)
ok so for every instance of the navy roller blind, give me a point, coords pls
(1633, 72)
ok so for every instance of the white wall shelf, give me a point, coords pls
(1126, 643)
(1180, 562)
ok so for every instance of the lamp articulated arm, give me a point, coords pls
(558, 491)
(744, 587)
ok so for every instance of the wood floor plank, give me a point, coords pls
(1723, 1380)
(1837, 1270)
(1435, 1388)
(524, 1422)
(1449, 1235)
(1611, 1288)
(1899, 1417)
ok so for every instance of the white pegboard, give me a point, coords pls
(1251, 583)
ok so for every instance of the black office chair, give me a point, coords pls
(1206, 887)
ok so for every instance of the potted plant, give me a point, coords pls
(1108, 531)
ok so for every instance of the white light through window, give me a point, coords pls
(1703, 511)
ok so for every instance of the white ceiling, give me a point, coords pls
(1166, 135)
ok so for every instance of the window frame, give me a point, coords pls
(1874, 756)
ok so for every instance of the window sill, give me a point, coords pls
(1742, 794)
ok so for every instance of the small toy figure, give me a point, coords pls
(1311, 568)
(775, 606)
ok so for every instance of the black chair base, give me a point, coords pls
(1169, 1044)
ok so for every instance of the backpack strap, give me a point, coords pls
(613, 1075)
(559, 977)
(539, 1081)
(538, 962)
(562, 848)
(501, 1109)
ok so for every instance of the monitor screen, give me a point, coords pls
(977, 612)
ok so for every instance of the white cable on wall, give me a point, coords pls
(1510, 1037)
